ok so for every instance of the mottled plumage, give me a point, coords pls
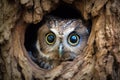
(60, 40)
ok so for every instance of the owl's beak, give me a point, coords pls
(60, 48)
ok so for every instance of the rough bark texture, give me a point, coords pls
(101, 60)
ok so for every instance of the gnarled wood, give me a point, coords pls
(101, 59)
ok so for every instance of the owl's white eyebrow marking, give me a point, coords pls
(68, 31)
(55, 31)
(68, 23)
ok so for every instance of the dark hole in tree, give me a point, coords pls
(64, 11)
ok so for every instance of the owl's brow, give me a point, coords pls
(69, 23)
(55, 21)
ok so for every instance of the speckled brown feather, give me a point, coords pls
(61, 28)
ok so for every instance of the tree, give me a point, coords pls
(101, 59)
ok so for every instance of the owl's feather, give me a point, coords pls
(71, 34)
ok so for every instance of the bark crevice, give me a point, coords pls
(101, 59)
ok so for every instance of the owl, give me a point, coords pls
(59, 40)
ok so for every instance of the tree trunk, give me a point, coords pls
(101, 59)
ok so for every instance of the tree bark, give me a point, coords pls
(101, 59)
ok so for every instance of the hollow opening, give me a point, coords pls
(64, 11)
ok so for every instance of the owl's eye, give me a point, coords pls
(73, 39)
(50, 38)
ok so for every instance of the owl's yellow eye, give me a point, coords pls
(73, 39)
(50, 38)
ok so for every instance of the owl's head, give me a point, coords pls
(61, 39)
